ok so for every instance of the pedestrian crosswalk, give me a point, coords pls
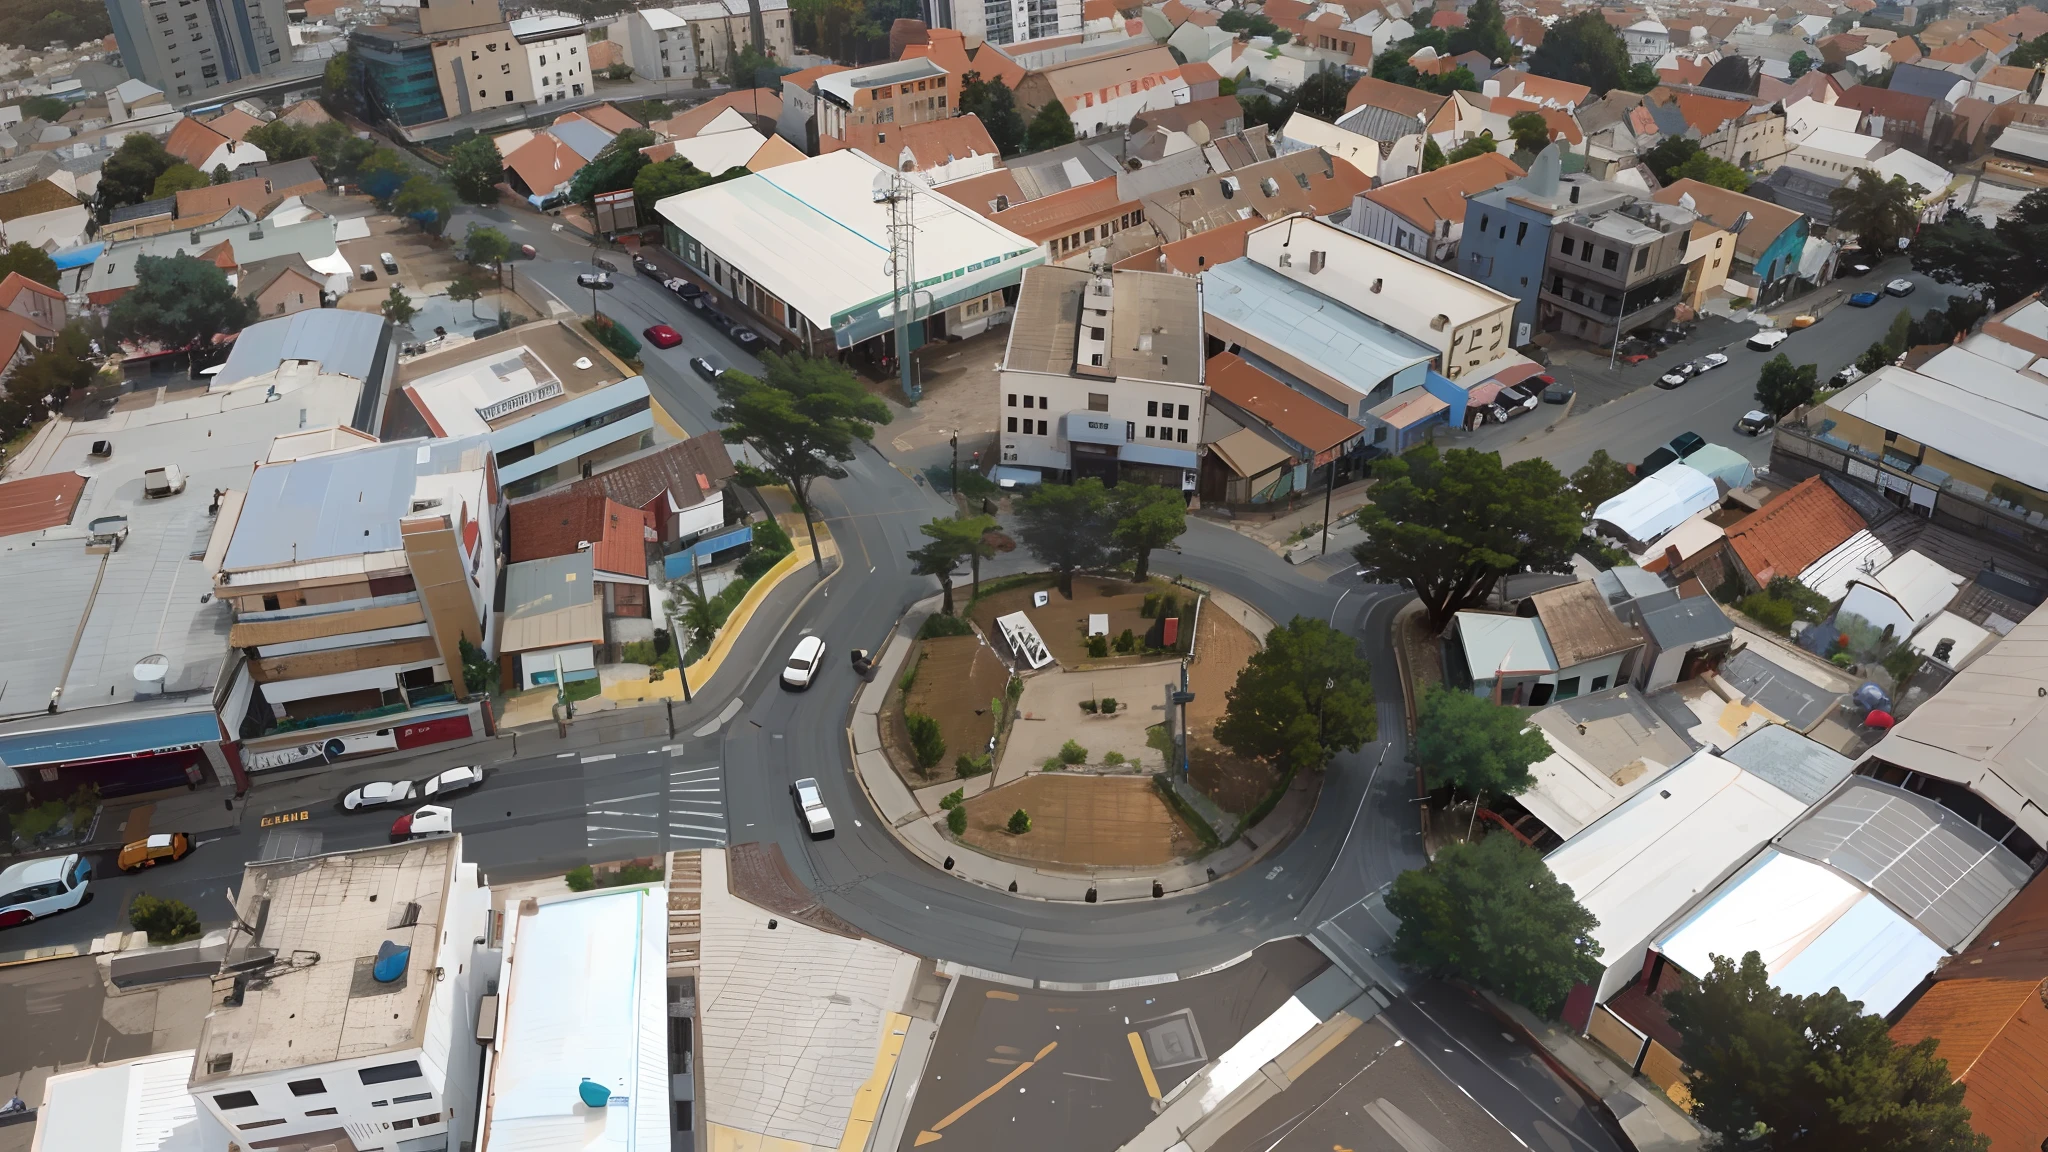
(696, 802)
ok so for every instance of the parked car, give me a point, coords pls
(1846, 376)
(1687, 443)
(1754, 422)
(1655, 461)
(1517, 399)
(810, 805)
(378, 793)
(1675, 378)
(648, 267)
(1864, 300)
(1768, 339)
(366, 272)
(1634, 358)
(426, 820)
(705, 368)
(744, 336)
(714, 317)
(148, 852)
(594, 279)
(803, 663)
(1899, 287)
(1556, 394)
(389, 261)
(529, 251)
(1805, 320)
(34, 889)
(460, 778)
(663, 336)
(1709, 362)
(1853, 263)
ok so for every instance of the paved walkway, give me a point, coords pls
(1649, 1118)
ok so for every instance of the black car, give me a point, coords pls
(1655, 461)
(705, 368)
(647, 267)
(685, 291)
(1557, 394)
(744, 336)
(717, 319)
(1687, 443)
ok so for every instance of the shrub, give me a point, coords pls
(1015, 688)
(1769, 611)
(926, 741)
(968, 766)
(166, 921)
(1842, 660)
(1169, 604)
(631, 874)
(580, 879)
(1127, 642)
(956, 821)
(951, 800)
(1098, 646)
(940, 624)
(1109, 705)
(1020, 822)
(1151, 606)
(1112, 758)
(1052, 764)
(1072, 753)
(614, 336)
(1089, 706)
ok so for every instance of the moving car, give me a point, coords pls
(1768, 339)
(811, 806)
(460, 778)
(1805, 320)
(426, 820)
(366, 272)
(1899, 287)
(689, 293)
(803, 663)
(378, 793)
(148, 852)
(663, 336)
(705, 368)
(34, 889)
(1709, 362)
(1687, 443)
(594, 279)
(390, 262)
(1864, 300)
(1634, 358)
(529, 251)
(1754, 422)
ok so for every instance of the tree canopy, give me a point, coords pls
(996, 105)
(1774, 1070)
(673, 176)
(1800, 64)
(1050, 128)
(44, 108)
(1782, 385)
(30, 261)
(398, 307)
(805, 416)
(1392, 66)
(954, 540)
(178, 302)
(1301, 699)
(483, 244)
(2009, 261)
(474, 170)
(1450, 524)
(1475, 746)
(1323, 95)
(1584, 49)
(1669, 155)
(426, 200)
(1479, 145)
(1145, 517)
(130, 174)
(1493, 914)
(179, 177)
(1067, 527)
(1600, 479)
(38, 24)
(614, 166)
(1531, 132)
(1715, 171)
(1876, 210)
(1485, 32)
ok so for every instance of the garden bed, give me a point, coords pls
(1063, 623)
(1236, 783)
(957, 681)
(1081, 822)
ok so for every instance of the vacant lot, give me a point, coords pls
(1236, 783)
(958, 677)
(1063, 623)
(1079, 822)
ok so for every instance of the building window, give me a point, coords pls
(1098, 401)
(307, 1087)
(1521, 230)
(1150, 432)
(1564, 245)
(1180, 435)
(412, 1099)
(229, 1101)
(1041, 428)
(1642, 259)
(322, 1112)
(1012, 398)
(1045, 402)
(386, 1073)
(259, 1124)
(1183, 412)
(1484, 221)
(1013, 423)
(1030, 401)
(1151, 407)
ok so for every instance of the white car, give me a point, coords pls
(1768, 339)
(804, 663)
(389, 261)
(1899, 287)
(426, 820)
(594, 279)
(811, 806)
(460, 778)
(379, 793)
(1709, 362)
(34, 889)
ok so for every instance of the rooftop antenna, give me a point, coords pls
(893, 189)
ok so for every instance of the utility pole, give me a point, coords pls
(959, 512)
(892, 189)
(1329, 490)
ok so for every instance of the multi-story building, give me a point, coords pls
(1614, 271)
(1771, 240)
(1005, 21)
(478, 61)
(461, 56)
(187, 47)
(656, 43)
(392, 67)
(345, 1011)
(1103, 376)
(1425, 215)
(1507, 241)
(908, 91)
(720, 28)
(553, 47)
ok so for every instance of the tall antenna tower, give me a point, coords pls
(896, 190)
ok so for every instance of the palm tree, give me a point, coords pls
(698, 619)
(938, 558)
(1878, 211)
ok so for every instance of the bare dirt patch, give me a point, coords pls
(957, 678)
(1080, 822)
(1236, 783)
(1063, 623)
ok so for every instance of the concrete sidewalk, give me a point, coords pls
(1279, 531)
(1645, 1115)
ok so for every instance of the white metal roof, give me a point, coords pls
(1496, 644)
(137, 1105)
(1964, 638)
(1918, 587)
(1647, 860)
(1694, 536)
(1974, 422)
(1660, 502)
(715, 152)
(586, 999)
(1841, 143)
(1860, 555)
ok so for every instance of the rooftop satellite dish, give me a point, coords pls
(152, 669)
(883, 187)
(1686, 202)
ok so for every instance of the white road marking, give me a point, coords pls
(623, 799)
(602, 756)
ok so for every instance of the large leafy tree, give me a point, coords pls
(1301, 699)
(2009, 262)
(673, 176)
(1146, 516)
(30, 261)
(1669, 156)
(1800, 64)
(130, 174)
(1583, 49)
(1878, 211)
(805, 417)
(1475, 746)
(937, 558)
(485, 245)
(475, 168)
(426, 200)
(1067, 527)
(1451, 524)
(962, 539)
(1050, 128)
(1782, 385)
(1485, 32)
(1492, 913)
(749, 68)
(68, 363)
(2029, 53)
(382, 173)
(1715, 171)
(1530, 130)
(179, 177)
(996, 105)
(1600, 479)
(614, 166)
(1479, 145)
(44, 108)
(1778, 1071)
(1324, 94)
(178, 302)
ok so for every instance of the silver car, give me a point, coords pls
(810, 804)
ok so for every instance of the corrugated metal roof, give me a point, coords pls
(344, 504)
(343, 343)
(1805, 768)
(1342, 344)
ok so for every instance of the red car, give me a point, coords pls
(663, 336)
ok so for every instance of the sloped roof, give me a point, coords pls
(557, 525)
(932, 143)
(1393, 98)
(1890, 103)
(1785, 536)
(1193, 255)
(763, 102)
(39, 197)
(544, 163)
(211, 201)
(689, 472)
(1432, 197)
(1580, 625)
(193, 141)
(1281, 408)
(1060, 212)
(234, 124)
(39, 502)
(1723, 207)
(257, 277)
(609, 118)
(15, 284)
(979, 193)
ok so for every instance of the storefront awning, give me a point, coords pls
(89, 741)
(1092, 428)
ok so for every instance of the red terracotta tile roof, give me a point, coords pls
(1785, 536)
(556, 525)
(1286, 411)
(38, 502)
(1394, 98)
(609, 118)
(1994, 1035)
(1193, 255)
(980, 193)
(932, 143)
(1062, 212)
(234, 124)
(1433, 197)
(1903, 106)
(1445, 18)
(544, 163)
(761, 102)
(192, 141)
(15, 284)
(218, 198)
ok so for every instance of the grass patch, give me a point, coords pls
(1158, 739)
(583, 878)
(582, 689)
(1185, 811)
(940, 624)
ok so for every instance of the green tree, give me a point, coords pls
(804, 416)
(1715, 171)
(1531, 132)
(1474, 746)
(382, 173)
(30, 261)
(937, 558)
(281, 140)
(614, 167)
(178, 178)
(1642, 76)
(748, 68)
(996, 106)
(484, 245)
(427, 201)
(956, 820)
(1800, 64)
(1324, 93)
(699, 616)
(397, 307)
(178, 302)
(47, 108)
(1600, 479)
(334, 79)
(1874, 357)
(1783, 385)
(465, 290)
(1491, 913)
(166, 921)
(1145, 516)
(1898, 336)
(1774, 1070)
(1485, 32)
(1876, 210)
(129, 176)
(1020, 822)
(2029, 53)
(959, 540)
(1479, 145)
(220, 174)
(1302, 698)
(2009, 262)
(338, 152)
(1050, 128)
(1670, 154)
(1067, 527)
(672, 177)
(475, 169)
(1583, 49)
(68, 362)
(1432, 154)
(479, 671)
(927, 743)
(1451, 524)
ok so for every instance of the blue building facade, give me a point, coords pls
(1507, 230)
(393, 71)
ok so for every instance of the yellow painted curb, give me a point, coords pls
(664, 421)
(867, 1099)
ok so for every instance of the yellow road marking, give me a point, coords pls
(1144, 1066)
(999, 994)
(285, 818)
(930, 1134)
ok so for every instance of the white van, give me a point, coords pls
(34, 889)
